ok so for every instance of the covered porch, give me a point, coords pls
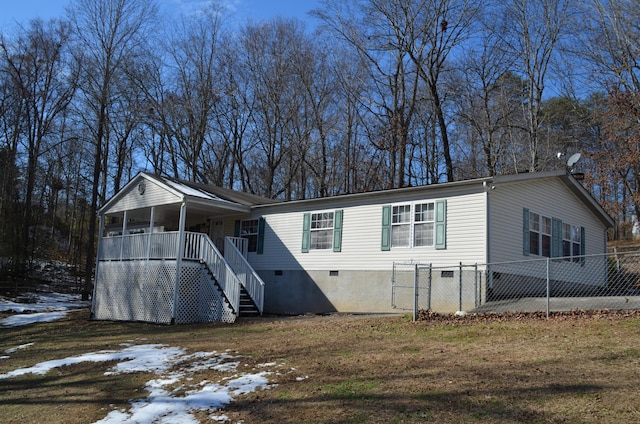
(162, 257)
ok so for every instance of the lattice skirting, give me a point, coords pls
(199, 298)
(144, 291)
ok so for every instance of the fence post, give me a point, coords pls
(415, 292)
(429, 288)
(460, 289)
(548, 286)
(475, 285)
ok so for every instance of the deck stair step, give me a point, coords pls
(247, 307)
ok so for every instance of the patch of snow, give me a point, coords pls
(48, 307)
(24, 319)
(163, 404)
(17, 348)
(45, 302)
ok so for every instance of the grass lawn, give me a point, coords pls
(352, 369)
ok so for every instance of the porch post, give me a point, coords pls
(98, 253)
(151, 224)
(180, 254)
(125, 218)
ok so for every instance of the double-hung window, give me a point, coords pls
(249, 231)
(552, 238)
(571, 240)
(539, 235)
(321, 232)
(253, 231)
(401, 226)
(424, 220)
(412, 225)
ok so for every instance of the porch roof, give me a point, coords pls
(166, 194)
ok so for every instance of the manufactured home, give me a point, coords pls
(172, 251)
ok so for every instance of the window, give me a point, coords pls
(253, 231)
(539, 235)
(534, 233)
(401, 226)
(321, 231)
(424, 224)
(571, 241)
(413, 225)
(249, 231)
(551, 238)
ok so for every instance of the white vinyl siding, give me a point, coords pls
(154, 195)
(549, 198)
(361, 232)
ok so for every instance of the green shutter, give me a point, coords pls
(306, 232)
(337, 231)
(236, 230)
(525, 232)
(556, 238)
(441, 224)
(386, 228)
(260, 247)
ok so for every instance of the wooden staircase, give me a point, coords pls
(248, 307)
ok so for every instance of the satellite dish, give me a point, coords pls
(573, 159)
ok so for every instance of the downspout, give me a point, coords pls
(98, 254)
(487, 238)
(180, 254)
(487, 224)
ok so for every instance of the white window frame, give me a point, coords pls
(571, 240)
(250, 236)
(324, 226)
(404, 218)
(539, 231)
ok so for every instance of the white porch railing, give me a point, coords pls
(235, 249)
(140, 246)
(240, 243)
(230, 271)
(197, 246)
(224, 274)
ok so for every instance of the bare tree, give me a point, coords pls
(530, 31)
(42, 78)
(269, 53)
(232, 118)
(488, 110)
(375, 30)
(194, 55)
(108, 33)
(610, 42)
(432, 30)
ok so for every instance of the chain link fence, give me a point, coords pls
(607, 281)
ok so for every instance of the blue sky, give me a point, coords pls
(22, 11)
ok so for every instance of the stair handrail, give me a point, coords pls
(221, 270)
(249, 279)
